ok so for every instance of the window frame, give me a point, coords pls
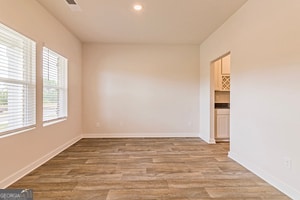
(14, 43)
(61, 87)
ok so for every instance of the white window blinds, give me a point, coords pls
(17, 81)
(54, 86)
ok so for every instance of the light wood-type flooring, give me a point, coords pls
(145, 168)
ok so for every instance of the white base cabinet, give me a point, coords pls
(222, 122)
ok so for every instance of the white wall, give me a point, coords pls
(140, 90)
(263, 38)
(22, 152)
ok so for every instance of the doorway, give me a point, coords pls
(220, 99)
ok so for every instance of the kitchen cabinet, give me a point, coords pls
(225, 65)
(218, 66)
(222, 74)
(222, 130)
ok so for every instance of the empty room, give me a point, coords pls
(149, 99)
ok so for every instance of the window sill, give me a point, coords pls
(17, 132)
(55, 121)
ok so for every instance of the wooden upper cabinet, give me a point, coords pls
(222, 74)
(226, 65)
(218, 68)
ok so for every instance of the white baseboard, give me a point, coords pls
(24, 171)
(212, 141)
(29, 168)
(208, 140)
(137, 135)
(283, 187)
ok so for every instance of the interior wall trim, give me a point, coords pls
(32, 166)
(138, 135)
(283, 187)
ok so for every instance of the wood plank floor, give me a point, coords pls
(145, 168)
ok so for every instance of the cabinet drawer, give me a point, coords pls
(222, 111)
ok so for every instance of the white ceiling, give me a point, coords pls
(160, 22)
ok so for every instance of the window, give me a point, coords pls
(17, 81)
(54, 86)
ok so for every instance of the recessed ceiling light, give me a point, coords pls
(137, 7)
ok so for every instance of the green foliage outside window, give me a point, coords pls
(3, 97)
